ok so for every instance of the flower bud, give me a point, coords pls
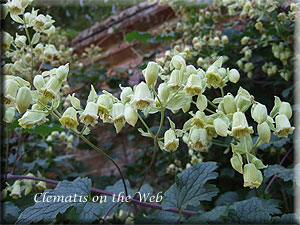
(243, 99)
(41, 185)
(38, 82)
(23, 100)
(125, 95)
(259, 113)
(220, 127)
(131, 115)
(9, 114)
(30, 118)
(151, 73)
(194, 85)
(10, 91)
(20, 40)
(199, 119)
(224, 39)
(69, 118)
(214, 77)
(52, 88)
(28, 188)
(285, 108)
(201, 102)
(234, 76)
(16, 191)
(62, 72)
(163, 92)
(258, 26)
(142, 96)
(245, 40)
(89, 115)
(38, 50)
(75, 102)
(240, 125)
(118, 116)
(283, 126)
(264, 132)
(54, 134)
(62, 136)
(170, 141)
(177, 62)
(39, 23)
(229, 104)
(237, 163)
(105, 104)
(252, 176)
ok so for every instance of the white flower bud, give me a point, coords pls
(264, 132)
(285, 108)
(20, 40)
(229, 104)
(201, 102)
(23, 99)
(9, 114)
(259, 113)
(131, 115)
(38, 82)
(151, 73)
(234, 76)
(163, 92)
(126, 95)
(220, 127)
(237, 163)
(62, 72)
(177, 62)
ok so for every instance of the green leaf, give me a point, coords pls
(253, 210)
(280, 171)
(45, 129)
(213, 216)
(47, 211)
(10, 212)
(227, 198)
(138, 36)
(285, 219)
(191, 187)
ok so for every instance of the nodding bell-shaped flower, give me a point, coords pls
(105, 104)
(285, 108)
(283, 126)
(142, 96)
(41, 185)
(39, 82)
(15, 7)
(240, 125)
(199, 119)
(89, 115)
(151, 73)
(126, 95)
(252, 176)
(62, 72)
(38, 49)
(23, 99)
(7, 40)
(194, 85)
(237, 163)
(198, 139)
(171, 143)
(16, 191)
(201, 102)
(9, 114)
(264, 131)
(118, 116)
(221, 127)
(229, 104)
(234, 76)
(178, 63)
(259, 113)
(20, 40)
(52, 88)
(175, 80)
(69, 118)
(163, 92)
(31, 118)
(131, 115)
(214, 77)
(10, 91)
(39, 23)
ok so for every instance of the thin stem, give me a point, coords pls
(212, 104)
(31, 48)
(144, 123)
(99, 191)
(219, 144)
(149, 167)
(256, 144)
(208, 110)
(109, 210)
(7, 148)
(275, 176)
(162, 117)
(17, 153)
(222, 92)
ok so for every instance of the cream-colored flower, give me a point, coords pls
(142, 96)
(171, 143)
(240, 125)
(89, 115)
(118, 116)
(252, 176)
(69, 118)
